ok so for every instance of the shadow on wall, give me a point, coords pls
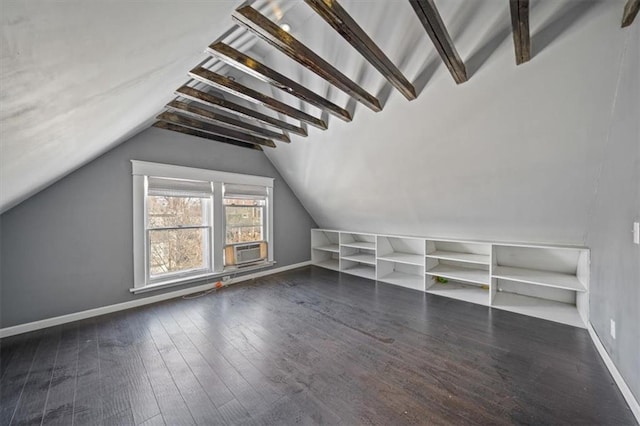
(500, 31)
(566, 17)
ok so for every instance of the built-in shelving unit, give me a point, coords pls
(543, 281)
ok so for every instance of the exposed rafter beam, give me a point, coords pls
(255, 22)
(348, 28)
(214, 101)
(225, 84)
(520, 27)
(252, 67)
(182, 120)
(202, 113)
(433, 24)
(630, 12)
(187, 131)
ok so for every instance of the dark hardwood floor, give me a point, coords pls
(308, 346)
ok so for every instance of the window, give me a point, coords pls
(244, 220)
(244, 213)
(185, 218)
(178, 227)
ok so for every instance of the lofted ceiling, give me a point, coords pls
(80, 77)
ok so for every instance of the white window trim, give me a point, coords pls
(140, 169)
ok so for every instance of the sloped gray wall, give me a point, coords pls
(69, 247)
(615, 267)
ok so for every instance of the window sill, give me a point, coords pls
(230, 270)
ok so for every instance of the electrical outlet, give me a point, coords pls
(636, 232)
(613, 328)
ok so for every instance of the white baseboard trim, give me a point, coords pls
(63, 319)
(626, 392)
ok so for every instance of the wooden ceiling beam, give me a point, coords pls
(201, 113)
(630, 11)
(182, 120)
(188, 131)
(225, 84)
(217, 102)
(262, 27)
(260, 71)
(520, 27)
(348, 28)
(432, 22)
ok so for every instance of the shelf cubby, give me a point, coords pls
(538, 277)
(357, 258)
(552, 310)
(458, 272)
(459, 251)
(360, 269)
(548, 282)
(401, 274)
(459, 290)
(409, 251)
(357, 240)
(325, 249)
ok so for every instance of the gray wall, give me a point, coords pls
(615, 268)
(69, 248)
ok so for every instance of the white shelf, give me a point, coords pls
(477, 276)
(539, 308)
(329, 264)
(333, 248)
(481, 259)
(362, 271)
(468, 293)
(408, 258)
(402, 279)
(544, 278)
(360, 245)
(369, 259)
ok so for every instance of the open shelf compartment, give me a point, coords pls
(538, 277)
(357, 240)
(405, 250)
(325, 240)
(325, 249)
(467, 292)
(459, 273)
(401, 274)
(360, 269)
(358, 261)
(459, 251)
(550, 303)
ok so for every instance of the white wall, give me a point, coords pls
(516, 153)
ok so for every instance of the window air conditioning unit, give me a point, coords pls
(244, 253)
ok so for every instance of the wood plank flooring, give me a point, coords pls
(308, 346)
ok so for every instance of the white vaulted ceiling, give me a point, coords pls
(78, 77)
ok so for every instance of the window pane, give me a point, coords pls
(244, 220)
(166, 211)
(176, 250)
(244, 202)
(237, 234)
